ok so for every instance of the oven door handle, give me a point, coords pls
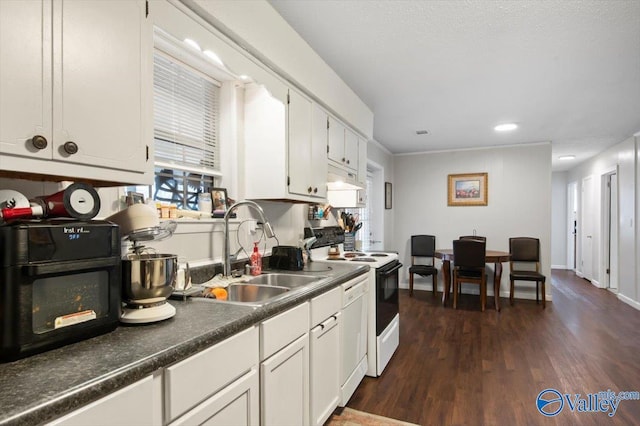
(390, 271)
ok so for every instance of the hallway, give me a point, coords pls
(465, 367)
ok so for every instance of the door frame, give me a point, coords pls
(375, 201)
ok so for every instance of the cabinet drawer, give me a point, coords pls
(325, 305)
(279, 331)
(193, 380)
(137, 404)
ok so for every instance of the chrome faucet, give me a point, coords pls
(268, 230)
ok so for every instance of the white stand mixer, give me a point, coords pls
(148, 278)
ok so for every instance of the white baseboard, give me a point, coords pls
(579, 274)
(596, 283)
(559, 267)
(629, 301)
(473, 289)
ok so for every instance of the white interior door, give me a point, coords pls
(586, 230)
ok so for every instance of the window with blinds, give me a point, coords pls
(186, 114)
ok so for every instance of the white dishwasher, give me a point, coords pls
(353, 336)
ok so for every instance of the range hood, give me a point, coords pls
(339, 179)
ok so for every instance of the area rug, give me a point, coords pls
(350, 417)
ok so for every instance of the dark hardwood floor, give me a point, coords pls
(466, 367)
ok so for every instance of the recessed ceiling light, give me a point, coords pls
(567, 157)
(422, 132)
(192, 43)
(209, 54)
(505, 127)
(244, 77)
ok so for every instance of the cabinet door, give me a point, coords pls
(299, 120)
(237, 405)
(324, 391)
(336, 141)
(101, 67)
(319, 140)
(284, 385)
(25, 77)
(351, 149)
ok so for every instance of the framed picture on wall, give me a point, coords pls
(468, 189)
(387, 195)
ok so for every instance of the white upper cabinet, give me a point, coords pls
(307, 147)
(25, 77)
(343, 145)
(285, 147)
(75, 80)
(351, 149)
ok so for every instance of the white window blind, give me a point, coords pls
(186, 109)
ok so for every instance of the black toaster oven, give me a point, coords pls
(60, 283)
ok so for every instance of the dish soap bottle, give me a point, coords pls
(256, 261)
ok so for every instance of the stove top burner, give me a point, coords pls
(354, 254)
(378, 255)
(364, 259)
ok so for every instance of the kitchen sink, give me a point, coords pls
(253, 293)
(289, 281)
(263, 289)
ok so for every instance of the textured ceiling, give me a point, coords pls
(566, 71)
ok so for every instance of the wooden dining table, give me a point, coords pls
(492, 256)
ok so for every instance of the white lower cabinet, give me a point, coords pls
(218, 386)
(324, 357)
(137, 404)
(237, 405)
(284, 371)
(324, 369)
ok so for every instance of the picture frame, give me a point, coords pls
(388, 194)
(220, 201)
(134, 198)
(468, 189)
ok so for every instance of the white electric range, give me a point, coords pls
(383, 324)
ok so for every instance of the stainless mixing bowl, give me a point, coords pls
(149, 277)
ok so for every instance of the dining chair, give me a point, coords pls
(523, 251)
(469, 257)
(423, 246)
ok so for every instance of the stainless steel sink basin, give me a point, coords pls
(289, 281)
(253, 293)
(266, 288)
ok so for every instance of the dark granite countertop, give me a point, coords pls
(44, 386)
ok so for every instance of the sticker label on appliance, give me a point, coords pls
(75, 318)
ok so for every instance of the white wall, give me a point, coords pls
(559, 231)
(519, 201)
(262, 31)
(622, 157)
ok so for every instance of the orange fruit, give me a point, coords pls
(220, 293)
